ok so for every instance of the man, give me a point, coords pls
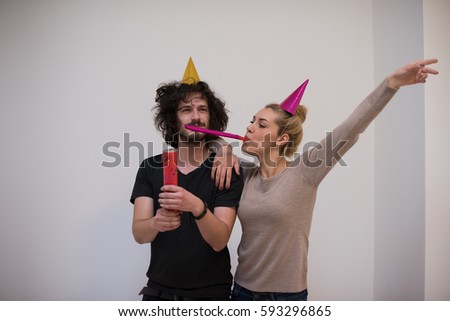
(187, 225)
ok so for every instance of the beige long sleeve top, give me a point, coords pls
(276, 213)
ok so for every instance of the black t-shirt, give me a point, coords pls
(182, 262)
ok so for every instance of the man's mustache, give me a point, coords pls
(197, 124)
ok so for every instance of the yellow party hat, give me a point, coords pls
(190, 74)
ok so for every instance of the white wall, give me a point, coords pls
(411, 180)
(437, 141)
(78, 74)
(399, 253)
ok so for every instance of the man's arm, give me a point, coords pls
(215, 228)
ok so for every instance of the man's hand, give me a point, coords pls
(166, 220)
(176, 198)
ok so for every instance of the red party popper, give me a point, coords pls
(170, 166)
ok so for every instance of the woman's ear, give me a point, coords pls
(283, 140)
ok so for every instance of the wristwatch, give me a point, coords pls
(203, 213)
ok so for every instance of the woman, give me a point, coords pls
(277, 202)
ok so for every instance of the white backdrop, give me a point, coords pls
(76, 75)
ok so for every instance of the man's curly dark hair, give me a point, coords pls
(168, 96)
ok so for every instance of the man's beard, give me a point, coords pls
(194, 137)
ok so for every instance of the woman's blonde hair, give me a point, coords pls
(291, 125)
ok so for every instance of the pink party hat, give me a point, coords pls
(291, 103)
(190, 74)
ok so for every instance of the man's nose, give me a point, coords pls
(195, 114)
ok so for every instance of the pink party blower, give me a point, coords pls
(214, 132)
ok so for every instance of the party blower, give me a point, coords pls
(214, 132)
